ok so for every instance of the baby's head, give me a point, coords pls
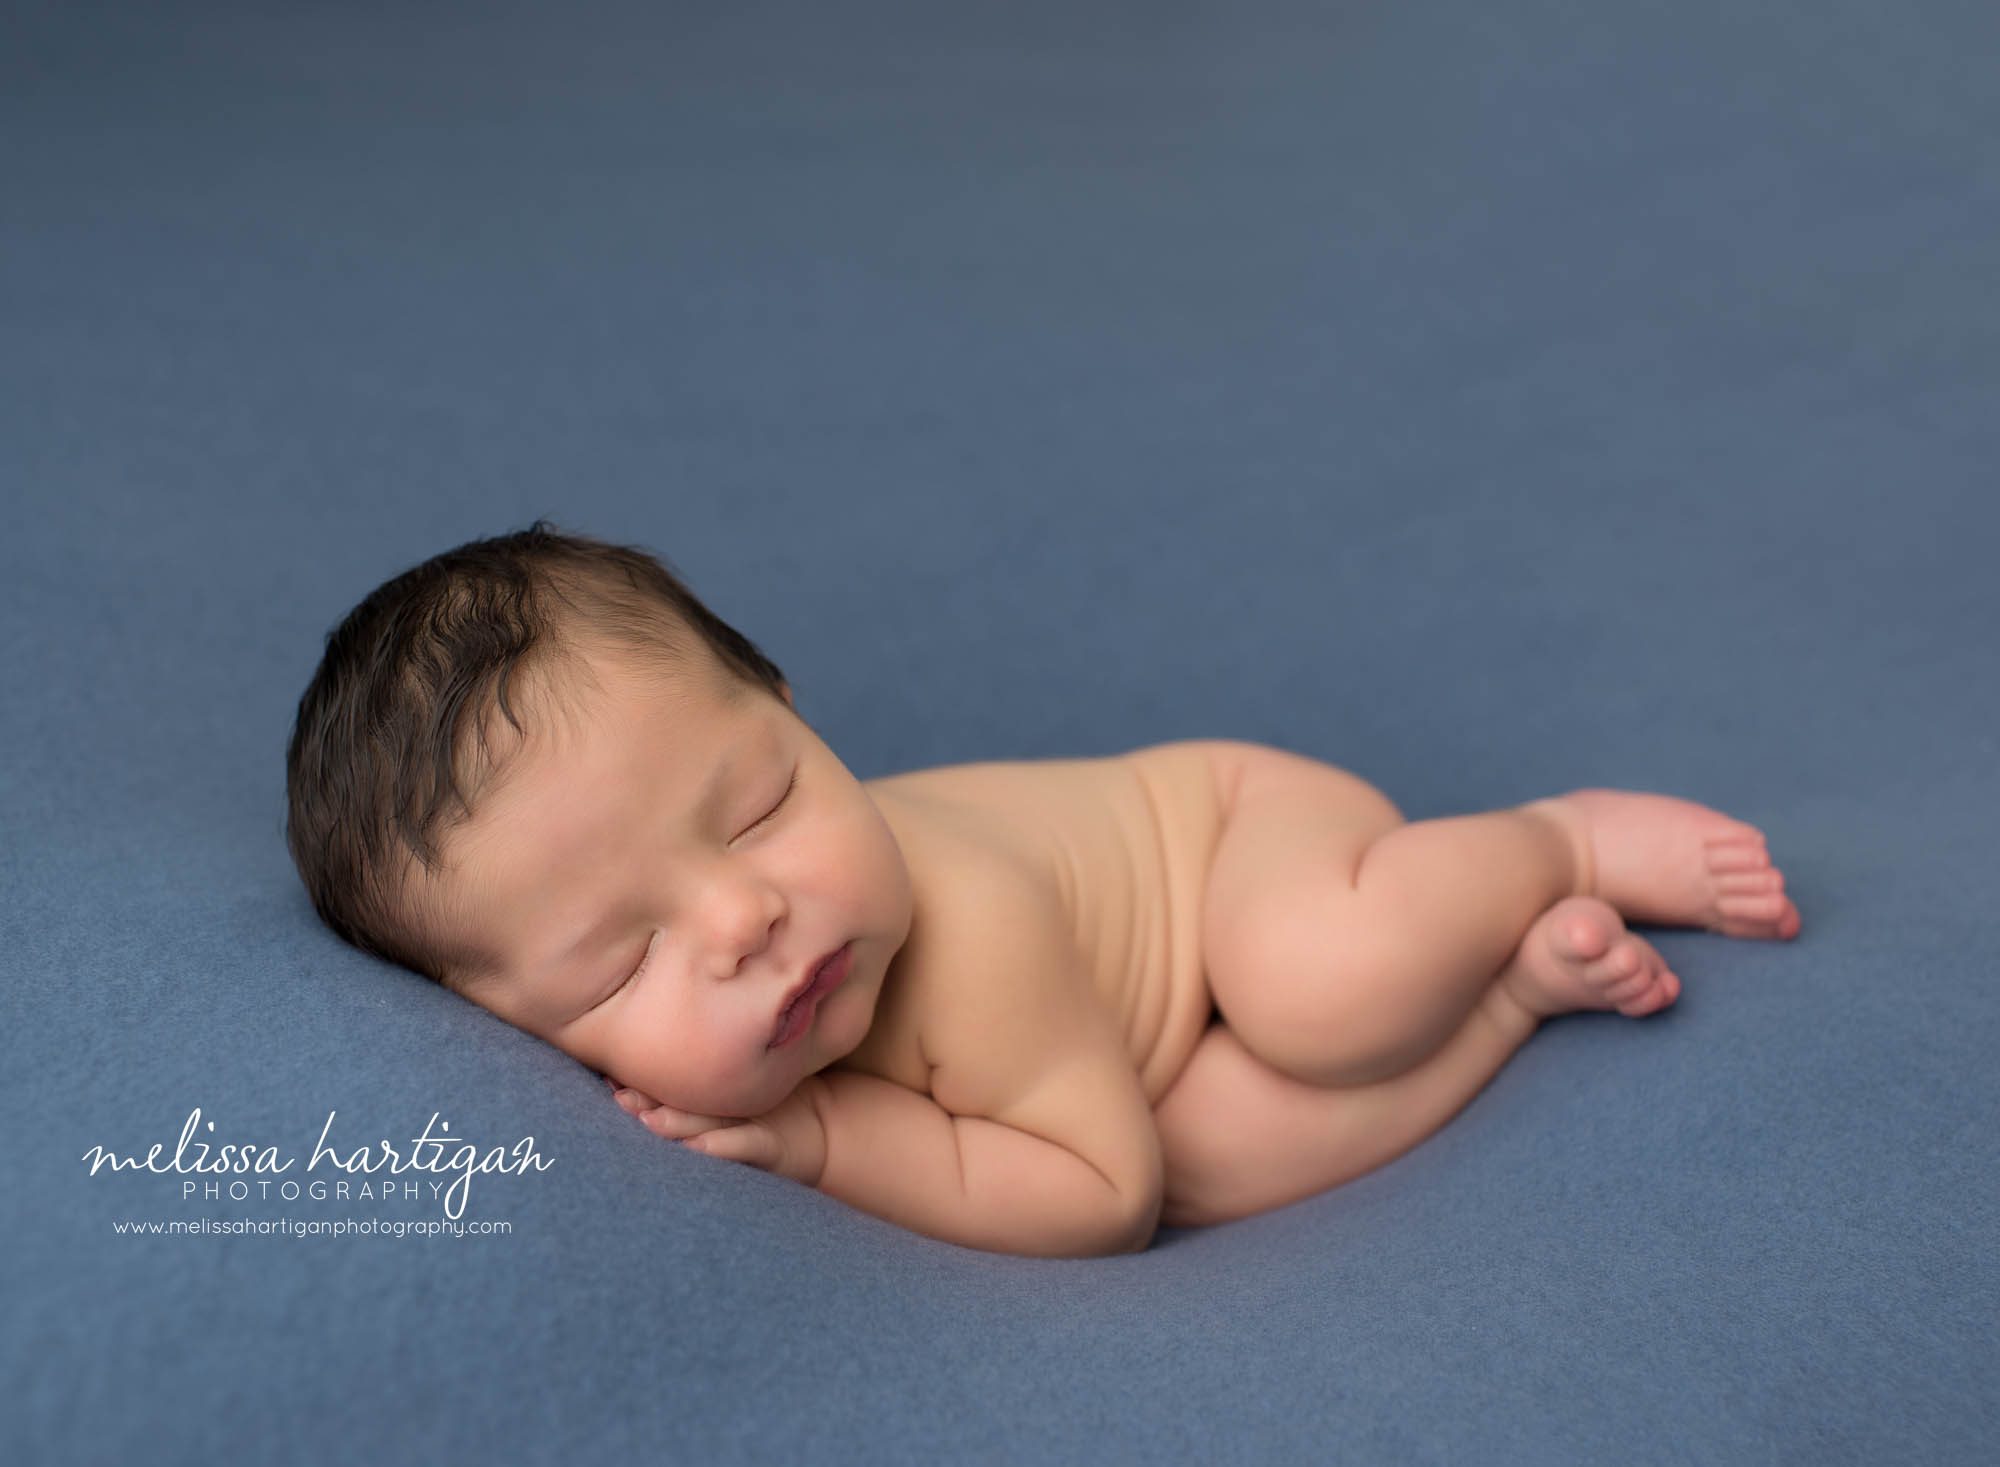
(538, 771)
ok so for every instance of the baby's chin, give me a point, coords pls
(763, 1097)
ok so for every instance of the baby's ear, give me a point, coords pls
(788, 693)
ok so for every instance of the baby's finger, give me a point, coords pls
(676, 1125)
(753, 1144)
(633, 1102)
(638, 1102)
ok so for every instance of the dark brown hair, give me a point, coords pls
(390, 749)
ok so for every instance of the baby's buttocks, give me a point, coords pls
(1124, 843)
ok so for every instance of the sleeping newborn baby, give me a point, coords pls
(1037, 1007)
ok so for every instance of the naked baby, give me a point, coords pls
(1037, 1007)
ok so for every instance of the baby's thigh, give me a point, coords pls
(1238, 1137)
(1294, 828)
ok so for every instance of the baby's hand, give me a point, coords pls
(790, 1140)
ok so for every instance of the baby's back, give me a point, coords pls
(1119, 845)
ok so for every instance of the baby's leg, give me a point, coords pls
(1240, 1137)
(1343, 946)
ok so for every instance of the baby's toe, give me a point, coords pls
(1754, 916)
(1629, 990)
(1650, 1002)
(1583, 929)
(1619, 967)
(1760, 882)
(1725, 831)
(1725, 857)
(1631, 976)
(1658, 988)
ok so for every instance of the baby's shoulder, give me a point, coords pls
(1064, 821)
(983, 890)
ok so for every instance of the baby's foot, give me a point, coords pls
(1578, 955)
(1677, 864)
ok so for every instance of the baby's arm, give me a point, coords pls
(896, 1153)
(1039, 1139)
(966, 1179)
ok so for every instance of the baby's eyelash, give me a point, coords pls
(646, 958)
(629, 977)
(781, 800)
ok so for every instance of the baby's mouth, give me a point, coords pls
(796, 1016)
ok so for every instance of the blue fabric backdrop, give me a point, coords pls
(1489, 399)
